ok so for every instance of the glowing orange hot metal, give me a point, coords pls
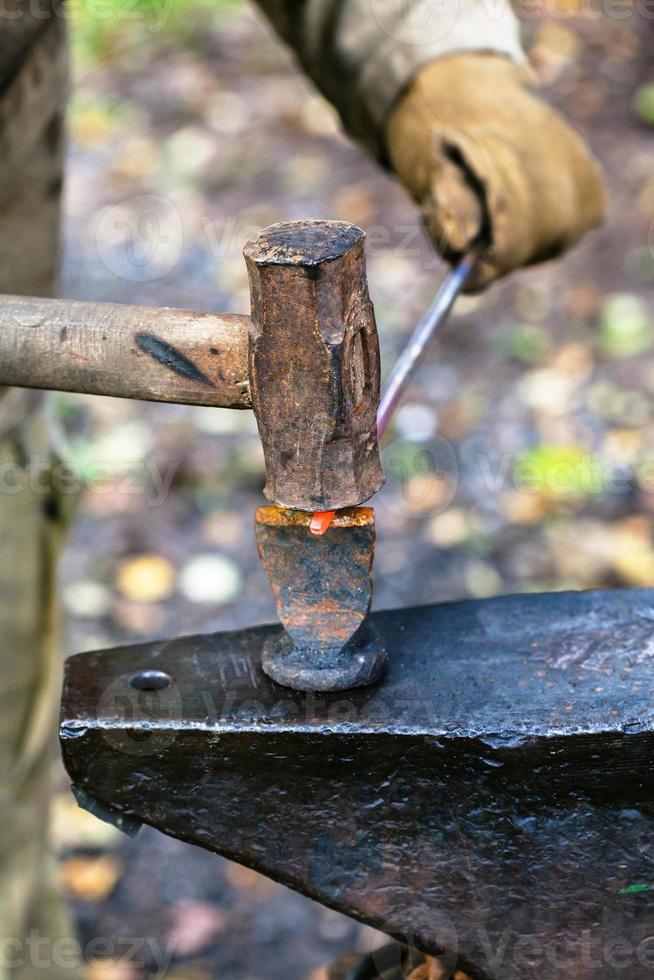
(320, 521)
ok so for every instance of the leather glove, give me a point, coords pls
(484, 156)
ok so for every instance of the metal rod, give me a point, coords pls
(412, 356)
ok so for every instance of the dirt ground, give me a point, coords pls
(521, 460)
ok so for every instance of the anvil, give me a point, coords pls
(489, 801)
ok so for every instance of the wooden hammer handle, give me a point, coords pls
(162, 355)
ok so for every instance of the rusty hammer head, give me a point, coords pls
(314, 364)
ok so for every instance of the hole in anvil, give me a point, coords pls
(150, 680)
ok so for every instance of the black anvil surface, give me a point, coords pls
(491, 799)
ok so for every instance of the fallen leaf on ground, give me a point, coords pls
(210, 579)
(450, 528)
(625, 326)
(581, 551)
(137, 617)
(224, 528)
(194, 926)
(482, 580)
(148, 578)
(71, 826)
(111, 970)
(247, 880)
(424, 492)
(644, 104)
(575, 361)
(86, 599)
(90, 878)
(633, 553)
(524, 508)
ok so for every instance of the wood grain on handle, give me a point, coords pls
(153, 354)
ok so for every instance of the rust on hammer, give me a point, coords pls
(314, 364)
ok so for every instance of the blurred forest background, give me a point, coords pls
(523, 458)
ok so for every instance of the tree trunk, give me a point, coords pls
(35, 934)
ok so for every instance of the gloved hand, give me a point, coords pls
(482, 154)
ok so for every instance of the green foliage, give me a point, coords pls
(524, 342)
(635, 889)
(559, 471)
(639, 264)
(99, 26)
(644, 104)
(625, 326)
